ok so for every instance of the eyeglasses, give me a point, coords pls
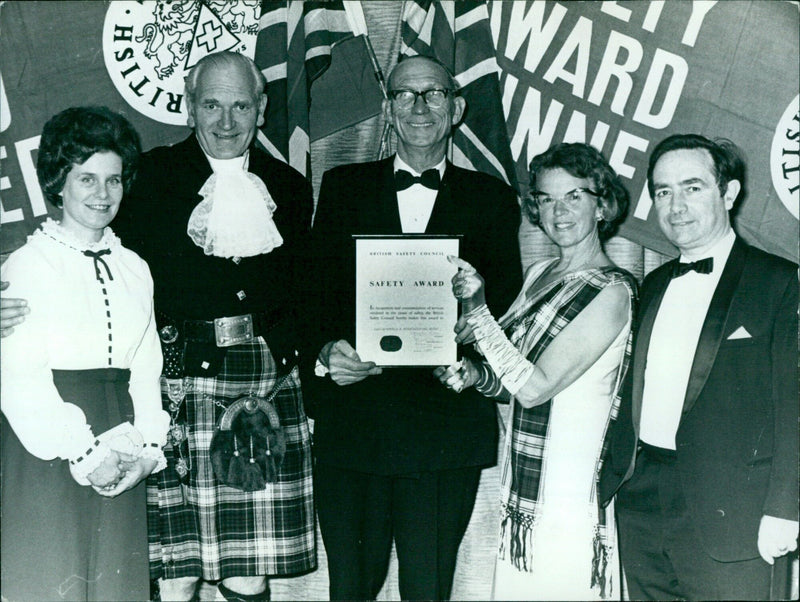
(434, 98)
(572, 198)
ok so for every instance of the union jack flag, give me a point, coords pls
(292, 50)
(459, 35)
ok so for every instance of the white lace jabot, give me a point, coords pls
(234, 219)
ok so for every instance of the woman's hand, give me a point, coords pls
(468, 285)
(134, 470)
(459, 376)
(108, 473)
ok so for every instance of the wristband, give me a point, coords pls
(488, 384)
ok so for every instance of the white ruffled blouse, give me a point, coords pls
(67, 329)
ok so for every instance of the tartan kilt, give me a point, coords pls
(206, 529)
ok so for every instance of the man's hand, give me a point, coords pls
(776, 537)
(344, 364)
(12, 312)
(463, 330)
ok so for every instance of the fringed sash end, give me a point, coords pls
(600, 566)
(516, 539)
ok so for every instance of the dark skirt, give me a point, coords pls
(61, 540)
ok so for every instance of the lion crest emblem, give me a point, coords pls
(149, 46)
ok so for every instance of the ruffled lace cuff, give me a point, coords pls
(87, 463)
(153, 451)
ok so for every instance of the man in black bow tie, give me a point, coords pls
(397, 455)
(704, 454)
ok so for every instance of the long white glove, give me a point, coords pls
(508, 363)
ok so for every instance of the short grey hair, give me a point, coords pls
(452, 84)
(224, 60)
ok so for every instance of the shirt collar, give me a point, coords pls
(400, 164)
(719, 251)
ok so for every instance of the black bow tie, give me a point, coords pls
(98, 259)
(701, 266)
(429, 179)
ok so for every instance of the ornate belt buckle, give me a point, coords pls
(234, 330)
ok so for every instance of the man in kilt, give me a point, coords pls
(221, 225)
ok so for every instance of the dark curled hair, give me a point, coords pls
(72, 136)
(726, 156)
(583, 161)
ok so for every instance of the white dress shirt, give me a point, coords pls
(673, 343)
(416, 202)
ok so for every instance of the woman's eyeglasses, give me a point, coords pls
(571, 198)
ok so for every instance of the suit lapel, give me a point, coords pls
(258, 164)
(649, 310)
(714, 325)
(191, 170)
(442, 217)
(388, 215)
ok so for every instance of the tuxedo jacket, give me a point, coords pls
(737, 439)
(190, 285)
(404, 420)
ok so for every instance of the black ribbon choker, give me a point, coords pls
(98, 259)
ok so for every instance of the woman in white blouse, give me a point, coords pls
(82, 417)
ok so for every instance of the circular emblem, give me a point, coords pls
(150, 46)
(785, 158)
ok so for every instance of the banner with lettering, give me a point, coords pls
(133, 56)
(625, 75)
(54, 55)
(619, 75)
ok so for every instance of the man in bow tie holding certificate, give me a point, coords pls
(398, 456)
(704, 454)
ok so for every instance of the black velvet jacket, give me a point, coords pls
(190, 285)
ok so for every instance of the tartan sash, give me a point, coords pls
(531, 325)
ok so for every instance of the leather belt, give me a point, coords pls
(231, 330)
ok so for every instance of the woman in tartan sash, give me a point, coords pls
(558, 355)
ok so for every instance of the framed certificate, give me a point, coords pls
(405, 308)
